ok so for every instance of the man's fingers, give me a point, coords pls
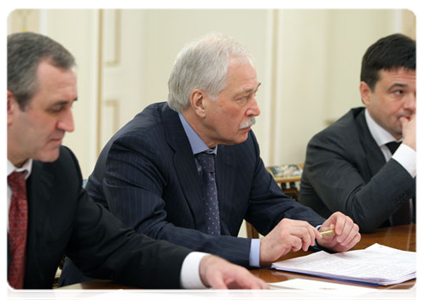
(307, 235)
(288, 235)
(243, 286)
(257, 291)
(217, 283)
(354, 241)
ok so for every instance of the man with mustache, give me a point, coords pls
(352, 165)
(51, 215)
(189, 171)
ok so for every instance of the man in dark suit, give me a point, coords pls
(151, 175)
(50, 215)
(349, 166)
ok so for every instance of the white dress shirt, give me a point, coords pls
(404, 155)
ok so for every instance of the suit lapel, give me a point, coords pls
(225, 180)
(185, 167)
(374, 157)
(39, 191)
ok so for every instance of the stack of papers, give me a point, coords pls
(377, 264)
(322, 289)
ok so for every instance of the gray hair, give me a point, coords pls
(25, 50)
(203, 65)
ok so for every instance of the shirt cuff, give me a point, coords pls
(255, 253)
(406, 157)
(190, 271)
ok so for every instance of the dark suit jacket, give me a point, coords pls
(64, 220)
(346, 171)
(147, 176)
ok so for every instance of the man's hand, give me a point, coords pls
(218, 273)
(346, 233)
(286, 236)
(12, 297)
(409, 131)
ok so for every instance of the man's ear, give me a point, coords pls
(12, 106)
(198, 102)
(365, 92)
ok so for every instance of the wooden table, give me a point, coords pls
(400, 237)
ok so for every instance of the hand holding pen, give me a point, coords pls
(339, 233)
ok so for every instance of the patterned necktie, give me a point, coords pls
(18, 224)
(211, 203)
(403, 214)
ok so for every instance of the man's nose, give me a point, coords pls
(254, 109)
(66, 122)
(410, 102)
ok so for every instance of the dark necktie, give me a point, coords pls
(211, 203)
(18, 224)
(403, 214)
(393, 146)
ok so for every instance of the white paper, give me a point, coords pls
(327, 290)
(124, 295)
(376, 264)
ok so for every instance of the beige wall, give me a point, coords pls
(169, 30)
(318, 72)
(80, 38)
(307, 60)
(345, 51)
(301, 82)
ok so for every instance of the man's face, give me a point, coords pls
(228, 117)
(394, 96)
(37, 131)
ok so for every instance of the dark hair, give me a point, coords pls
(389, 53)
(25, 50)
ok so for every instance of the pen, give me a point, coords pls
(327, 232)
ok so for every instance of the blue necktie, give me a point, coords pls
(211, 203)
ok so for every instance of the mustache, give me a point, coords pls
(250, 122)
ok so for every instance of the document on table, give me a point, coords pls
(124, 295)
(327, 290)
(377, 264)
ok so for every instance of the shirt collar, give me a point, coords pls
(379, 134)
(197, 144)
(26, 167)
